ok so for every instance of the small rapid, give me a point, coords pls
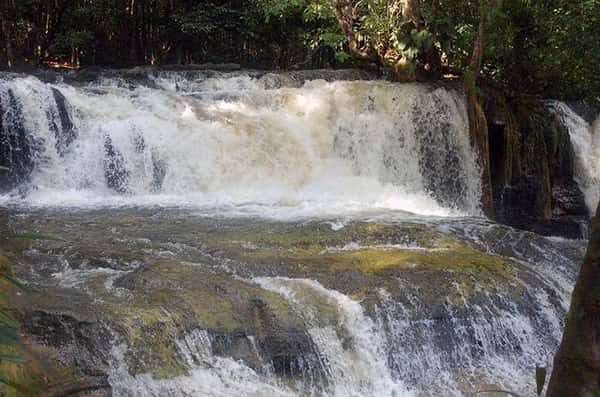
(352, 347)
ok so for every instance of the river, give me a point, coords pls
(263, 234)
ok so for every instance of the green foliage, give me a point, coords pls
(547, 48)
(30, 236)
(320, 12)
(66, 41)
(323, 35)
(280, 9)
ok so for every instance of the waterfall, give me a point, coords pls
(354, 348)
(255, 143)
(442, 305)
(585, 139)
(351, 347)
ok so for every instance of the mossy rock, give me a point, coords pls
(166, 300)
(187, 275)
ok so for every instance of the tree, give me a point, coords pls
(6, 28)
(546, 48)
(391, 33)
(477, 120)
(577, 363)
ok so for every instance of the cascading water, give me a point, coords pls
(343, 295)
(356, 371)
(585, 139)
(242, 141)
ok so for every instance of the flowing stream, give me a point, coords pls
(261, 234)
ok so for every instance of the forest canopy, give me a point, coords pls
(547, 48)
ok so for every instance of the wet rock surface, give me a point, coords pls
(16, 147)
(532, 167)
(124, 296)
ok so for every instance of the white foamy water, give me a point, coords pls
(353, 347)
(209, 376)
(350, 346)
(586, 145)
(235, 144)
(395, 354)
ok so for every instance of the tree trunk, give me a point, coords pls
(428, 66)
(7, 42)
(345, 13)
(53, 24)
(411, 12)
(577, 363)
(133, 31)
(477, 121)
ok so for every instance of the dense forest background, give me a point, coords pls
(548, 47)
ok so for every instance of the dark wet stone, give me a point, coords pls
(567, 199)
(159, 170)
(429, 304)
(532, 168)
(16, 146)
(67, 133)
(84, 345)
(115, 172)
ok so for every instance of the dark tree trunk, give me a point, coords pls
(6, 33)
(55, 21)
(346, 15)
(577, 363)
(133, 30)
(477, 121)
(411, 12)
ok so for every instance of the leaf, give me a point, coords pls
(13, 358)
(14, 281)
(428, 43)
(8, 321)
(403, 44)
(341, 56)
(9, 336)
(32, 236)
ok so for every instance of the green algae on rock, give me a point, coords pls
(152, 283)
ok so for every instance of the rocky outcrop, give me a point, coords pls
(81, 347)
(530, 154)
(532, 159)
(16, 148)
(132, 295)
(586, 110)
(152, 311)
(67, 133)
(115, 172)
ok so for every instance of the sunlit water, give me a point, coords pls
(233, 143)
